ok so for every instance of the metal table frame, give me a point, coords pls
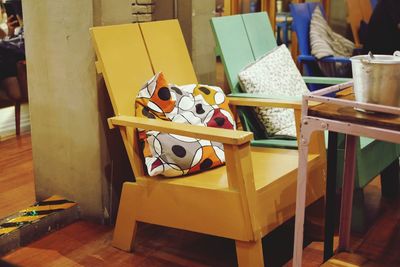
(309, 124)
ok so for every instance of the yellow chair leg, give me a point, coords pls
(125, 228)
(250, 254)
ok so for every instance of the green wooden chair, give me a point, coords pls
(240, 42)
(241, 39)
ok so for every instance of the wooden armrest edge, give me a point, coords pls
(224, 136)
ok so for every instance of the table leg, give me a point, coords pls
(300, 201)
(330, 198)
(347, 192)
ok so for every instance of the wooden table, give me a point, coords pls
(338, 115)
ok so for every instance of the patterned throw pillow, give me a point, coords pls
(174, 155)
(324, 41)
(275, 74)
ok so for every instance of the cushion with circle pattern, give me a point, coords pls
(174, 155)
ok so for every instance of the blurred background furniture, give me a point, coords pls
(283, 26)
(302, 14)
(5, 101)
(359, 13)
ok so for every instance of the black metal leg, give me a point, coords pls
(330, 205)
(390, 180)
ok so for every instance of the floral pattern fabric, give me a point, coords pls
(275, 74)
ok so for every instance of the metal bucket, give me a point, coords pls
(377, 79)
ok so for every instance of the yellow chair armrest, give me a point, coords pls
(224, 136)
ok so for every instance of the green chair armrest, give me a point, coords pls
(325, 80)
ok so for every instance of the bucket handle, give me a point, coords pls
(368, 61)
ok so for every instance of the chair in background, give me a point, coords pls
(283, 25)
(246, 199)
(302, 14)
(5, 101)
(242, 33)
(358, 11)
(374, 3)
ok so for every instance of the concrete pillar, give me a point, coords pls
(70, 152)
(194, 17)
(112, 12)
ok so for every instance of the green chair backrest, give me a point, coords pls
(259, 33)
(236, 51)
(241, 39)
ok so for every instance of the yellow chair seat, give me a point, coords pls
(265, 162)
(273, 205)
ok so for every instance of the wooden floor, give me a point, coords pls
(16, 175)
(7, 121)
(88, 244)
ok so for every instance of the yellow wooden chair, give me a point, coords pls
(244, 200)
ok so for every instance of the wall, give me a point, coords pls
(142, 10)
(194, 17)
(163, 9)
(113, 12)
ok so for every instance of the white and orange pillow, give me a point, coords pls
(173, 155)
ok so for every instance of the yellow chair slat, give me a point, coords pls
(124, 62)
(168, 52)
(125, 65)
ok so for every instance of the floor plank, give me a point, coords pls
(16, 175)
(87, 244)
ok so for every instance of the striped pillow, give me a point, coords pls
(325, 42)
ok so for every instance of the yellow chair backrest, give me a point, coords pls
(168, 52)
(124, 62)
(129, 55)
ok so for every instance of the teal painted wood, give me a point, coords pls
(276, 97)
(259, 33)
(236, 53)
(373, 156)
(234, 47)
(325, 80)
